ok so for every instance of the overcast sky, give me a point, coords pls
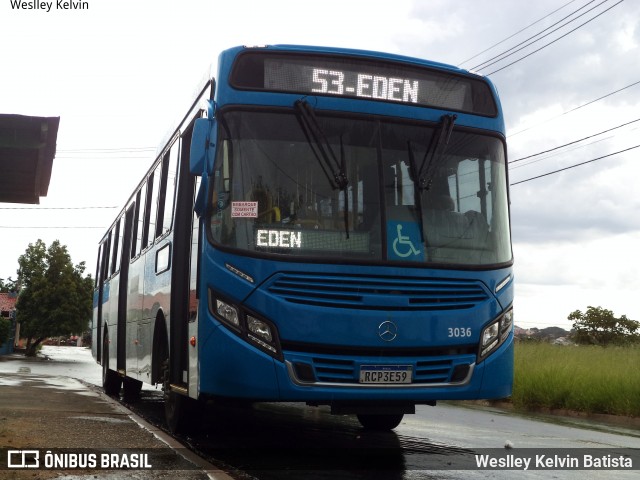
(120, 73)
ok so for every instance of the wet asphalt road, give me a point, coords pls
(292, 441)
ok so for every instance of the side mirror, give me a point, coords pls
(202, 139)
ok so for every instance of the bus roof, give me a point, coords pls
(367, 54)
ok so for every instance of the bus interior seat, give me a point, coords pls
(267, 212)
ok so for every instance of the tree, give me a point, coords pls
(5, 330)
(55, 298)
(7, 286)
(598, 326)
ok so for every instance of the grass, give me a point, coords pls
(587, 379)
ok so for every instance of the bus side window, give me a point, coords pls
(162, 189)
(115, 243)
(136, 248)
(119, 244)
(98, 265)
(105, 257)
(154, 188)
(144, 212)
(169, 178)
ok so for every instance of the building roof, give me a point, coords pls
(7, 301)
(27, 149)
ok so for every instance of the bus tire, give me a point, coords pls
(380, 422)
(175, 412)
(111, 382)
(131, 389)
(180, 411)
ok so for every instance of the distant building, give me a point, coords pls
(518, 331)
(548, 334)
(563, 341)
(7, 304)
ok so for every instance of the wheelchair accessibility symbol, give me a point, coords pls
(403, 240)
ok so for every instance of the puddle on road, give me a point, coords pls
(102, 419)
(10, 382)
(289, 442)
(66, 383)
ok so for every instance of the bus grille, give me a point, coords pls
(377, 292)
(432, 371)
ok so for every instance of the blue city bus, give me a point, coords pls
(326, 226)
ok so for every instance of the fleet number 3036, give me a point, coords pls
(459, 332)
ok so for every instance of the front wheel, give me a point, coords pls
(180, 412)
(176, 412)
(380, 422)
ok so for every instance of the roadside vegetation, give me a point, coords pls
(593, 369)
(584, 378)
(5, 330)
(55, 297)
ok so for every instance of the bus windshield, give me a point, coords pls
(345, 190)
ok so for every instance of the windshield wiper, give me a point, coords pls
(435, 151)
(334, 169)
(423, 176)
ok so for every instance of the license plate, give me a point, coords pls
(386, 373)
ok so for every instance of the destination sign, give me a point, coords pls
(295, 240)
(291, 77)
(363, 78)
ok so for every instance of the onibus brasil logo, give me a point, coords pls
(34, 459)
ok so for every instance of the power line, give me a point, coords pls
(106, 150)
(574, 109)
(513, 50)
(573, 142)
(573, 166)
(519, 31)
(603, 97)
(554, 41)
(93, 158)
(37, 209)
(38, 228)
(121, 153)
(577, 147)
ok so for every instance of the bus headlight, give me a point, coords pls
(258, 332)
(228, 313)
(494, 334)
(261, 334)
(259, 328)
(506, 324)
(489, 338)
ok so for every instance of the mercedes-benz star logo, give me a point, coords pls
(388, 331)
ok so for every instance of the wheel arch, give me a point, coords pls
(105, 343)
(160, 349)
